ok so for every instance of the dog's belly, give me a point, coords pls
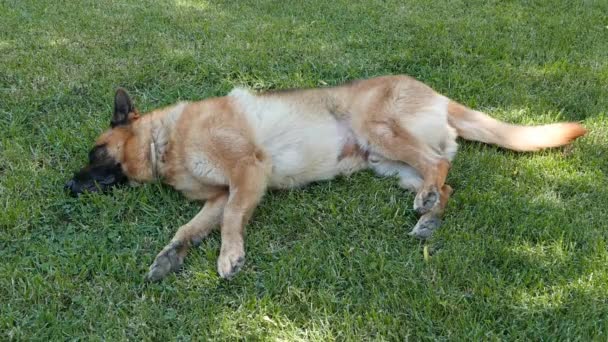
(305, 144)
(302, 155)
(313, 151)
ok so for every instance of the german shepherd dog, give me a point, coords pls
(228, 150)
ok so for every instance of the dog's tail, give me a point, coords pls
(474, 125)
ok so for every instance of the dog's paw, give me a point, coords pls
(426, 200)
(168, 260)
(230, 262)
(425, 227)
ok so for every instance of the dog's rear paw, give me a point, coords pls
(168, 260)
(425, 226)
(426, 200)
(230, 263)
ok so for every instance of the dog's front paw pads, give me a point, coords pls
(230, 263)
(425, 227)
(426, 200)
(168, 260)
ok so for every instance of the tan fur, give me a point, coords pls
(474, 125)
(228, 150)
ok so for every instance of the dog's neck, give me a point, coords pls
(154, 131)
(154, 161)
(159, 140)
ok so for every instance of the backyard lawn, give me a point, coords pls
(523, 252)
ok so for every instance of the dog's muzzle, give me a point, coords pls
(70, 185)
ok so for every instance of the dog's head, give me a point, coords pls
(106, 168)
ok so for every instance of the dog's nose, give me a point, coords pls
(69, 185)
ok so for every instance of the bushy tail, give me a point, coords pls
(473, 125)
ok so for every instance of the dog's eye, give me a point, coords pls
(97, 153)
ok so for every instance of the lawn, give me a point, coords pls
(523, 253)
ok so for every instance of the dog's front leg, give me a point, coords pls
(171, 258)
(246, 191)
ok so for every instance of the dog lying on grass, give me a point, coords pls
(228, 150)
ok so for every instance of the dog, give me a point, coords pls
(227, 151)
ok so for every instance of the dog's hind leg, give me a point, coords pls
(411, 180)
(171, 258)
(430, 221)
(393, 142)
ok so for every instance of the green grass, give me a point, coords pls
(523, 253)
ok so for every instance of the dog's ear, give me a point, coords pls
(124, 111)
